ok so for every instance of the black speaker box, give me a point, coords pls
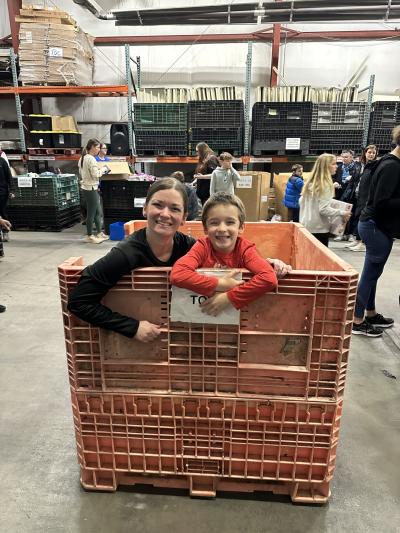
(119, 139)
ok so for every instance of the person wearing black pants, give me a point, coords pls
(5, 192)
(379, 225)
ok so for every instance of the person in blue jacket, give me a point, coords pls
(293, 192)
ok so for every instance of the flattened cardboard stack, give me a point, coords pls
(53, 49)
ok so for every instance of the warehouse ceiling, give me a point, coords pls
(148, 13)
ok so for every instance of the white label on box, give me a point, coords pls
(185, 305)
(245, 182)
(24, 181)
(68, 196)
(293, 143)
(139, 202)
(55, 51)
(264, 198)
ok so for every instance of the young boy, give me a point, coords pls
(223, 221)
(225, 177)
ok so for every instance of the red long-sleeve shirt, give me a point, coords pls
(244, 255)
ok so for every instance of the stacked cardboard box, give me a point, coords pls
(53, 49)
(254, 191)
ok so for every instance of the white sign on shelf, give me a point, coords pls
(24, 181)
(42, 158)
(145, 160)
(55, 51)
(185, 305)
(293, 143)
(245, 182)
(139, 202)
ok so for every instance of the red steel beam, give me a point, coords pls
(245, 37)
(276, 42)
(13, 11)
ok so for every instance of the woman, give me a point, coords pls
(102, 155)
(316, 196)
(361, 189)
(159, 244)
(90, 174)
(207, 163)
(379, 224)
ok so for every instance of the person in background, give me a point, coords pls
(5, 225)
(224, 178)
(368, 162)
(159, 244)
(316, 197)
(223, 220)
(345, 181)
(5, 192)
(4, 156)
(292, 193)
(379, 224)
(102, 155)
(194, 205)
(90, 174)
(207, 163)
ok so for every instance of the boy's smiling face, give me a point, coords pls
(223, 227)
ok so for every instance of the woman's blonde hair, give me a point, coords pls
(319, 182)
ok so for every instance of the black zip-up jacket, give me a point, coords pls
(383, 204)
(5, 178)
(99, 278)
(365, 182)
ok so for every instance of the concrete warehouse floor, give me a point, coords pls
(40, 490)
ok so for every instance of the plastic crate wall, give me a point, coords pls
(265, 355)
(160, 142)
(60, 191)
(121, 194)
(43, 217)
(252, 440)
(335, 141)
(278, 120)
(343, 115)
(215, 113)
(384, 117)
(160, 116)
(219, 139)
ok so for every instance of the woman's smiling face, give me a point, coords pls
(165, 212)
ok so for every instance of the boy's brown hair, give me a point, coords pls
(296, 168)
(178, 175)
(225, 156)
(224, 198)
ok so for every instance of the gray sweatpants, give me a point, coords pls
(94, 212)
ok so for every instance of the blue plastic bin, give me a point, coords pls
(117, 232)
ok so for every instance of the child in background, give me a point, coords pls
(293, 192)
(223, 220)
(194, 207)
(224, 178)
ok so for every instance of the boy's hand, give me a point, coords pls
(280, 268)
(229, 282)
(214, 305)
(147, 331)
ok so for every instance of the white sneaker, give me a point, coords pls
(102, 236)
(352, 238)
(339, 238)
(93, 239)
(359, 247)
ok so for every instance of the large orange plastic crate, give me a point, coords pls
(290, 344)
(207, 444)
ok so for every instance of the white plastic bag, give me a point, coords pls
(337, 224)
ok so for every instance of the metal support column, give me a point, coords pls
(139, 74)
(276, 41)
(130, 111)
(368, 110)
(249, 60)
(17, 101)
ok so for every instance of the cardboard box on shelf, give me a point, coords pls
(63, 123)
(119, 170)
(253, 190)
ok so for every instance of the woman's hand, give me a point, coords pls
(347, 216)
(214, 305)
(337, 185)
(228, 282)
(6, 224)
(280, 268)
(147, 331)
